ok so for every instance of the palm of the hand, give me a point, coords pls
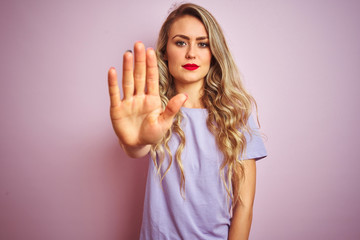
(138, 119)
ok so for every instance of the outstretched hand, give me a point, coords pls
(138, 119)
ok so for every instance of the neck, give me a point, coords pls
(194, 92)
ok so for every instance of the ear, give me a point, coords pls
(165, 56)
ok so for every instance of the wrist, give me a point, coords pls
(135, 151)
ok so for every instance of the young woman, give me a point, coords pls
(185, 107)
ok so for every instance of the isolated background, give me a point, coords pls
(62, 173)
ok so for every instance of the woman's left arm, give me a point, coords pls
(243, 210)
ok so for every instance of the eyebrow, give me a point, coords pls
(187, 38)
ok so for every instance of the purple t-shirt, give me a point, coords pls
(204, 213)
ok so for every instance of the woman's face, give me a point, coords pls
(187, 51)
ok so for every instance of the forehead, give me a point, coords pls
(189, 26)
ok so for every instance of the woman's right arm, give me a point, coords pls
(138, 119)
(135, 151)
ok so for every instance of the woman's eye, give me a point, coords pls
(203, 45)
(180, 43)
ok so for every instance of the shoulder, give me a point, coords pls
(255, 147)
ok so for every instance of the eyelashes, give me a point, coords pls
(180, 43)
(203, 44)
(200, 44)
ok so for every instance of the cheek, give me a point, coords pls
(207, 57)
(173, 55)
(172, 65)
(171, 62)
(174, 61)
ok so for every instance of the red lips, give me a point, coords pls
(190, 67)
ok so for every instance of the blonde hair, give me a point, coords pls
(229, 105)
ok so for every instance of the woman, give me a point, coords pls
(186, 102)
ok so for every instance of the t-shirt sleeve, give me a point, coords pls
(255, 148)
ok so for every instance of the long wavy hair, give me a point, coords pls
(228, 104)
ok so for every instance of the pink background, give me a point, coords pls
(62, 173)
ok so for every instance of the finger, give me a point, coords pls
(172, 108)
(114, 91)
(140, 68)
(152, 73)
(128, 78)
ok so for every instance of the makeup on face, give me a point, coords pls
(183, 40)
(188, 52)
(190, 67)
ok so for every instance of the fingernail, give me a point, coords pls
(112, 68)
(187, 96)
(129, 51)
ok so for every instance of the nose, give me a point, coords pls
(190, 54)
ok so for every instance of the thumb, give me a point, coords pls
(172, 108)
